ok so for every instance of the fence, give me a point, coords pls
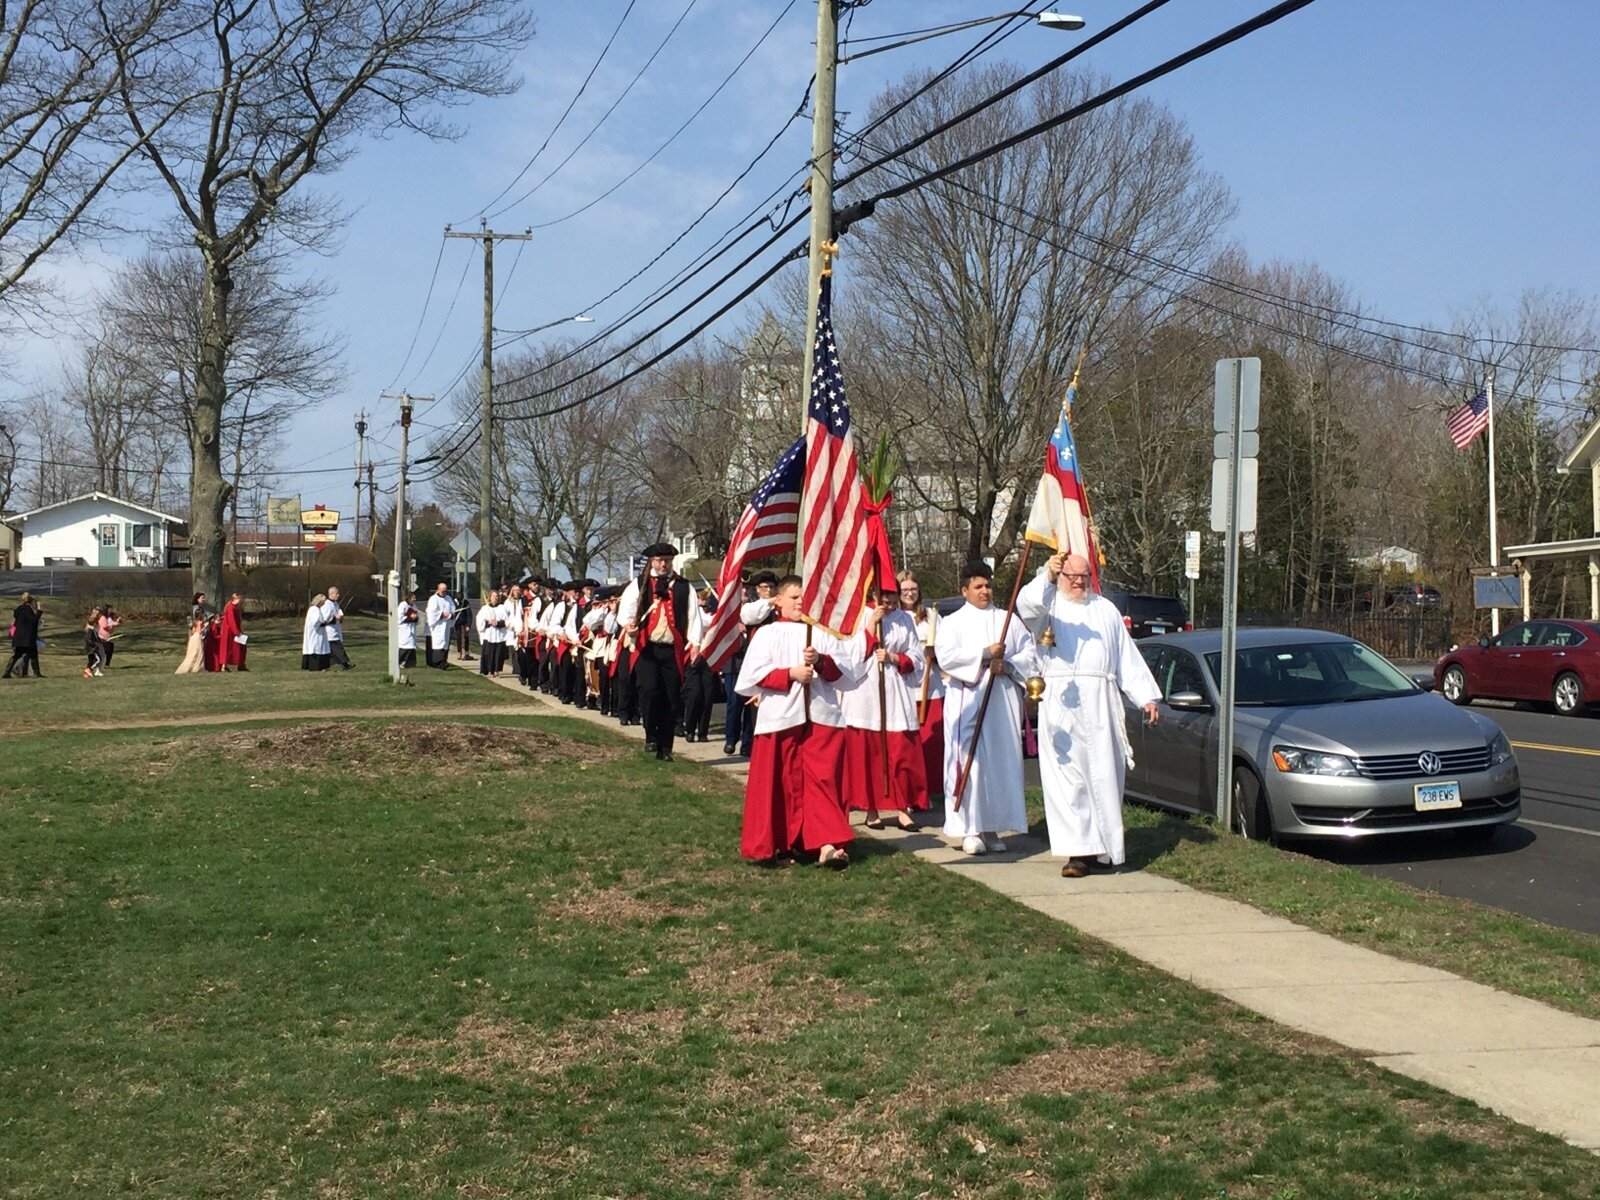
(1401, 632)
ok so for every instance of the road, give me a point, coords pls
(1547, 866)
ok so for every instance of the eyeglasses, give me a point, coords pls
(1075, 578)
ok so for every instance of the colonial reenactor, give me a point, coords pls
(663, 626)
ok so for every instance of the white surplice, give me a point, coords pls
(992, 801)
(314, 639)
(441, 612)
(782, 645)
(897, 633)
(1083, 734)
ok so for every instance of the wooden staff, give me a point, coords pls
(927, 679)
(883, 730)
(806, 687)
(988, 687)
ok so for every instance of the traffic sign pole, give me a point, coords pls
(1237, 412)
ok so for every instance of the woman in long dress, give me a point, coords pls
(194, 654)
(315, 653)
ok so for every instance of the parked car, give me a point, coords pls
(1553, 661)
(1148, 615)
(1414, 595)
(1330, 740)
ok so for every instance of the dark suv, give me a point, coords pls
(1146, 615)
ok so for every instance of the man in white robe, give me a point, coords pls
(969, 650)
(1083, 737)
(314, 650)
(441, 617)
(333, 620)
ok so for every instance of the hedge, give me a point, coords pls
(268, 591)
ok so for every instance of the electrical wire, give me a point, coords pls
(604, 117)
(566, 112)
(421, 318)
(715, 92)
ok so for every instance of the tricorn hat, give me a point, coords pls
(660, 550)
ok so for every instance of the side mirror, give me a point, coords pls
(1190, 701)
(1423, 681)
(1483, 642)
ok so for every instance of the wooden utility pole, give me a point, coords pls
(361, 458)
(486, 455)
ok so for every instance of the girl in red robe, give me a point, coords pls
(233, 650)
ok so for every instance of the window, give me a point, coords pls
(1185, 675)
(141, 537)
(108, 536)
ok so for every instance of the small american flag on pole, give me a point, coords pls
(766, 530)
(836, 540)
(1468, 421)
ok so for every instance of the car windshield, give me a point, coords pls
(1314, 673)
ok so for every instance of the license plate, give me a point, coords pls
(1431, 796)
(1158, 629)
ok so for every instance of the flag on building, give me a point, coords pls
(765, 530)
(836, 560)
(1468, 421)
(1059, 518)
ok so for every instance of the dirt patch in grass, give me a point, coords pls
(616, 905)
(767, 997)
(374, 751)
(484, 1047)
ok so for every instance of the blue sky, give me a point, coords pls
(1430, 154)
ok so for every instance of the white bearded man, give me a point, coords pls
(970, 649)
(1083, 737)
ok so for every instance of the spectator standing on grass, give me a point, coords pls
(106, 633)
(333, 618)
(233, 635)
(25, 621)
(91, 644)
(194, 649)
(441, 616)
(315, 650)
(1083, 737)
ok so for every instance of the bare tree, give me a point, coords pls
(63, 64)
(289, 92)
(8, 459)
(986, 284)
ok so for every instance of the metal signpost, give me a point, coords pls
(1236, 414)
(1191, 565)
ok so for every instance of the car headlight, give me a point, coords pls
(1499, 749)
(1293, 760)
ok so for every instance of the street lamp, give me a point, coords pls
(580, 319)
(1049, 19)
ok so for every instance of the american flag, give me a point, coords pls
(836, 539)
(765, 530)
(1468, 421)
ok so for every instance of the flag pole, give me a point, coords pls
(1494, 508)
(988, 687)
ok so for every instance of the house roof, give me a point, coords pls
(1585, 454)
(167, 517)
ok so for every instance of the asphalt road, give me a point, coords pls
(1546, 866)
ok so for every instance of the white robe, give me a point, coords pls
(927, 634)
(314, 640)
(408, 628)
(489, 633)
(992, 802)
(782, 645)
(1083, 736)
(441, 613)
(898, 634)
(333, 617)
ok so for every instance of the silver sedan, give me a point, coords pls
(1330, 740)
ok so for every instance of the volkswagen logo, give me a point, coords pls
(1429, 763)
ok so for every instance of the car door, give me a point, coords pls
(1559, 646)
(1177, 749)
(1530, 666)
(1499, 664)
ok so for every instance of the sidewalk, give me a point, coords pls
(1530, 1062)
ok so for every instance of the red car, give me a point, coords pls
(1557, 662)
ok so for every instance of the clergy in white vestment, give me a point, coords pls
(1083, 736)
(883, 749)
(314, 651)
(489, 621)
(406, 618)
(793, 799)
(930, 692)
(441, 615)
(969, 648)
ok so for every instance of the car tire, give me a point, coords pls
(1453, 685)
(1567, 694)
(1252, 815)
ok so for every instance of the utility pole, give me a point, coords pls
(822, 134)
(372, 508)
(400, 576)
(361, 458)
(486, 455)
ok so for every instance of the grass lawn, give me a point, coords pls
(517, 958)
(141, 686)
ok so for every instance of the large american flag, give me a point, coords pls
(765, 530)
(1468, 421)
(836, 541)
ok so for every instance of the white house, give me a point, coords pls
(95, 530)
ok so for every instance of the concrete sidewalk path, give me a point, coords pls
(1528, 1061)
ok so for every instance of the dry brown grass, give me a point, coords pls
(484, 1047)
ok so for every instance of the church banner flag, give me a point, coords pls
(1059, 518)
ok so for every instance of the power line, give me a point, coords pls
(565, 113)
(422, 316)
(604, 117)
